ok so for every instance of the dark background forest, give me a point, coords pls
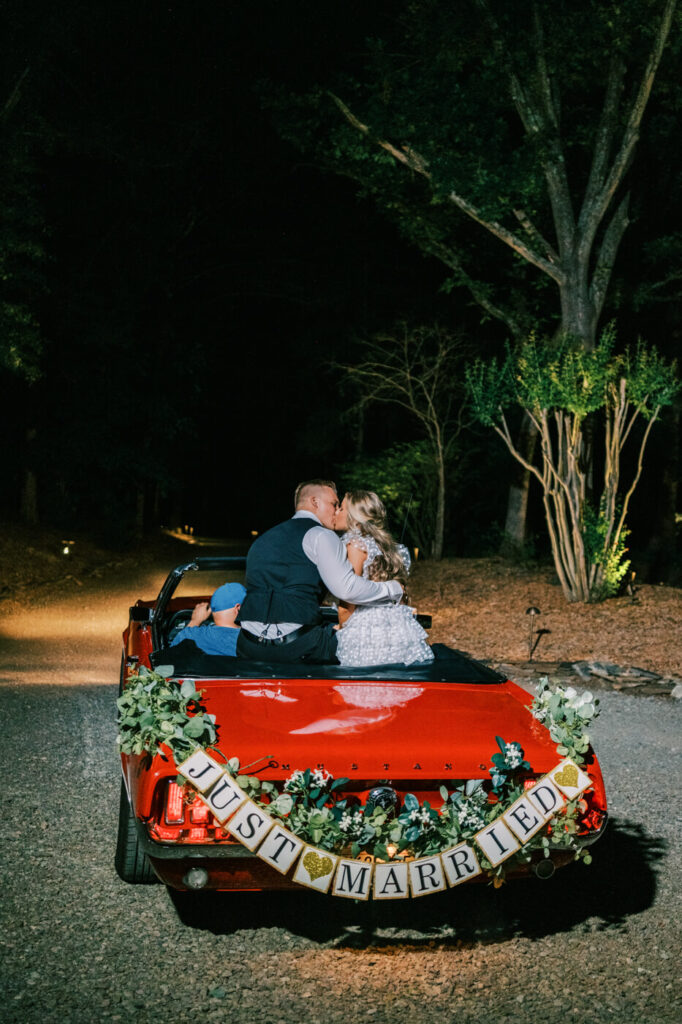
(187, 279)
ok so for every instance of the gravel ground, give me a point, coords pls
(593, 944)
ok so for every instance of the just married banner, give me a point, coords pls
(352, 878)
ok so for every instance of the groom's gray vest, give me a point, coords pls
(282, 584)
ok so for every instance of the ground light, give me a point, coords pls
(534, 636)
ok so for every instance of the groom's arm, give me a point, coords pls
(325, 549)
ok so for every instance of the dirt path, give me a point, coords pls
(71, 634)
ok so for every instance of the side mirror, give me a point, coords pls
(141, 614)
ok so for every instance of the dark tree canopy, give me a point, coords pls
(485, 122)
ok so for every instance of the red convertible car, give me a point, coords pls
(397, 751)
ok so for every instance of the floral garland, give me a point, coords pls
(155, 711)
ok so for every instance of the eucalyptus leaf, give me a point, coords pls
(194, 727)
(283, 804)
(187, 689)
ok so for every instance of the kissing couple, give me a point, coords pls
(291, 567)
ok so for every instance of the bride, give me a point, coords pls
(385, 633)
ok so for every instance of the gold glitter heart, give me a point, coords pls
(316, 866)
(568, 776)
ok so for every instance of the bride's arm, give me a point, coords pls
(357, 558)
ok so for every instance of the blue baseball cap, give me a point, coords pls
(227, 596)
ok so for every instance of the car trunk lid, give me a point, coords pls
(369, 730)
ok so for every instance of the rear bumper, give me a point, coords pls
(231, 867)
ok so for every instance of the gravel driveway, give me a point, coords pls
(597, 943)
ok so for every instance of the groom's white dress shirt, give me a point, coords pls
(325, 550)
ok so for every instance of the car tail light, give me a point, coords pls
(182, 818)
(175, 805)
(199, 813)
(198, 834)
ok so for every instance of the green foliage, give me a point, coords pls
(563, 377)
(545, 376)
(154, 710)
(491, 388)
(651, 381)
(559, 386)
(506, 763)
(567, 714)
(405, 478)
(597, 533)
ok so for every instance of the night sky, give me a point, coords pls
(202, 274)
(197, 263)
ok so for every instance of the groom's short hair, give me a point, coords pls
(305, 489)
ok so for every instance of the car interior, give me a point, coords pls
(187, 659)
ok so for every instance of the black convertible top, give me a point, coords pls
(448, 666)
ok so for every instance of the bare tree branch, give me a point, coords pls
(608, 122)
(631, 134)
(415, 162)
(542, 243)
(478, 290)
(539, 122)
(607, 254)
(543, 75)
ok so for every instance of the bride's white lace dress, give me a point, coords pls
(381, 634)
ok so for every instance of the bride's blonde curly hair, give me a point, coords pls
(367, 515)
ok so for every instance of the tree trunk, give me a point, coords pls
(517, 501)
(29, 490)
(578, 315)
(659, 558)
(29, 499)
(578, 320)
(437, 549)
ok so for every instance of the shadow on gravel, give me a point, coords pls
(620, 882)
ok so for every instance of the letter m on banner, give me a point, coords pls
(353, 879)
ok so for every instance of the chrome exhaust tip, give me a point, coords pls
(196, 878)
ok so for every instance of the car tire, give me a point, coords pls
(132, 864)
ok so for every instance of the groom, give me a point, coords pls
(288, 570)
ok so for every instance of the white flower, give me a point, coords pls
(351, 822)
(294, 780)
(414, 815)
(470, 817)
(512, 753)
(570, 693)
(320, 777)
